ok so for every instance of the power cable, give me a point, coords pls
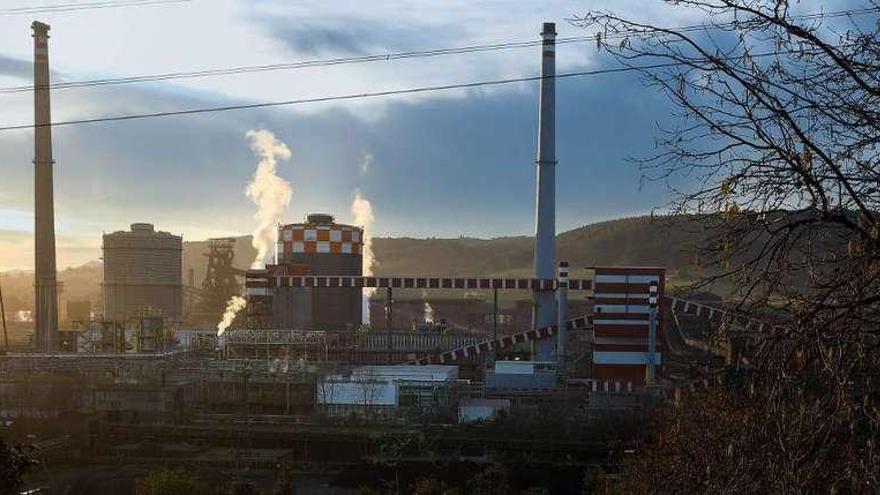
(71, 7)
(359, 96)
(296, 65)
(386, 56)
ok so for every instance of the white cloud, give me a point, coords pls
(185, 174)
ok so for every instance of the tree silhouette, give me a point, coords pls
(777, 135)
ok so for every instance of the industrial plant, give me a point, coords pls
(305, 378)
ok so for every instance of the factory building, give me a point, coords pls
(142, 274)
(317, 247)
(621, 322)
(381, 392)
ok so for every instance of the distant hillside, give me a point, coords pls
(84, 282)
(629, 241)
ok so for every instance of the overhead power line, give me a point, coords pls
(298, 65)
(72, 7)
(383, 56)
(369, 95)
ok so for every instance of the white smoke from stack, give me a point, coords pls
(269, 192)
(272, 195)
(233, 306)
(428, 310)
(362, 211)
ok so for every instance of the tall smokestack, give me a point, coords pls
(545, 214)
(45, 283)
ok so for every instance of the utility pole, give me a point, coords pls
(389, 311)
(495, 318)
(651, 360)
(3, 317)
(562, 317)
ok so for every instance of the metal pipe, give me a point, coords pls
(651, 360)
(562, 317)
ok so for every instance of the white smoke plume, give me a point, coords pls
(362, 211)
(428, 311)
(272, 195)
(269, 192)
(233, 306)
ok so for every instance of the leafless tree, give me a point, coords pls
(774, 154)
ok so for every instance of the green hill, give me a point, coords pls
(628, 241)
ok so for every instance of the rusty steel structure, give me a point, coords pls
(220, 283)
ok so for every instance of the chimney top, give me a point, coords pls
(320, 218)
(40, 28)
(549, 28)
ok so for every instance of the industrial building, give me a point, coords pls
(142, 274)
(622, 322)
(371, 392)
(318, 247)
(304, 367)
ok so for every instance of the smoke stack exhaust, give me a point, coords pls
(45, 283)
(545, 210)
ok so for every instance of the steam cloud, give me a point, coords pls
(429, 313)
(362, 211)
(233, 306)
(428, 310)
(272, 195)
(269, 192)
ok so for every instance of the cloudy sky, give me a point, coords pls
(444, 164)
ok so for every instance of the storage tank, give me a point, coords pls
(322, 247)
(142, 274)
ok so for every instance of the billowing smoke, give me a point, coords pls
(272, 195)
(233, 306)
(429, 313)
(362, 211)
(269, 192)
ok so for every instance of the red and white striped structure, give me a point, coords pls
(620, 318)
(425, 282)
(319, 238)
(736, 321)
(472, 351)
(621, 321)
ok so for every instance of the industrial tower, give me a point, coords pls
(545, 210)
(45, 283)
(220, 283)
